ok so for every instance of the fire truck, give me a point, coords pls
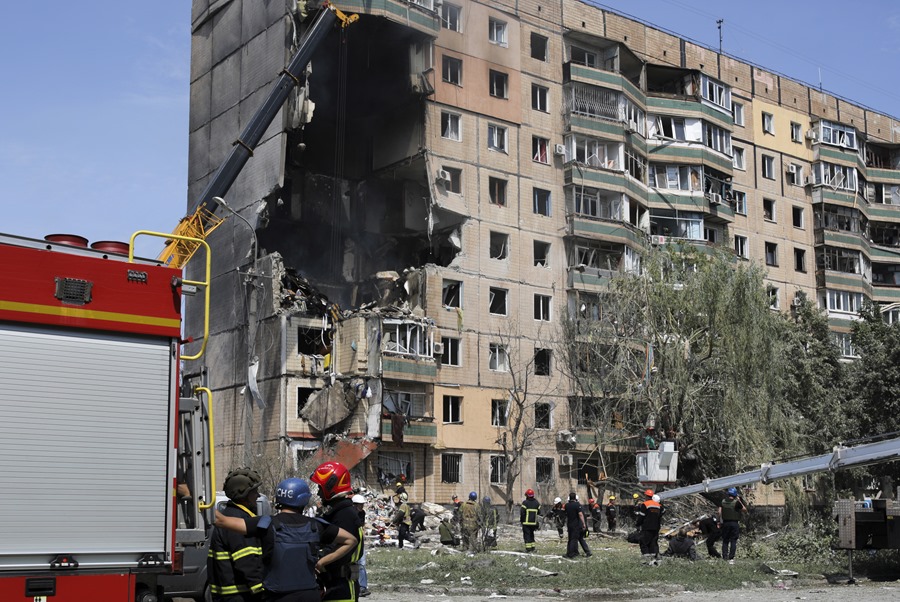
(97, 425)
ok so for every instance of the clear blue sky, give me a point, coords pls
(94, 108)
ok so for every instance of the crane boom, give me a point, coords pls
(842, 457)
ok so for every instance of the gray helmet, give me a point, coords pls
(240, 482)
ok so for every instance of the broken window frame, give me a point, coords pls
(451, 126)
(410, 339)
(390, 465)
(837, 134)
(597, 255)
(452, 409)
(305, 333)
(542, 201)
(454, 185)
(838, 259)
(669, 176)
(451, 355)
(497, 138)
(635, 165)
(412, 404)
(451, 70)
(543, 359)
(451, 17)
(710, 234)
(540, 150)
(498, 84)
(497, 188)
(499, 465)
(541, 254)
(771, 253)
(499, 412)
(836, 176)
(796, 132)
(498, 357)
(769, 210)
(498, 301)
(716, 138)
(798, 217)
(542, 307)
(497, 32)
(451, 468)
(303, 398)
(799, 260)
(774, 297)
(451, 293)
(498, 245)
(543, 43)
(543, 469)
(672, 128)
(539, 98)
(795, 178)
(740, 246)
(543, 416)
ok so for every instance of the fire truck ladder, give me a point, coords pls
(842, 457)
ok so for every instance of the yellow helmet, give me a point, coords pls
(612, 497)
(635, 496)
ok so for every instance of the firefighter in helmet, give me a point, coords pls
(341, 577)
(528, 516)
(234, 563)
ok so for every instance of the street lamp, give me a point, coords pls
(254, 244)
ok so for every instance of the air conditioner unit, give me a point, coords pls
(797, 301)
(714, 198)
(438, 349)
(632, 127)
(559, 150)
(443, 175)
(656, 239)
(565, 460)
(792, 168)
(810, 180)
(812, 135)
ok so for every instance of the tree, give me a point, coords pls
(692, 347)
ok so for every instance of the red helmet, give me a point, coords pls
(529, 493)
(649, 493)
(590, 500)
(333, 480)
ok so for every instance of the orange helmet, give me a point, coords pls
(649, 493)
(333, 480)
(529, 493)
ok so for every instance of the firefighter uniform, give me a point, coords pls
(649, 518)
(234, 562)
(340, 577)
(528, 516)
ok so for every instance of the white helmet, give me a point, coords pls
(358, 499)
(655, 498)
(557, 500)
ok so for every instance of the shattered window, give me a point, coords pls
(405, 402)
(303, 394)
(497, 191)
(543, 470)
(451, 468)
(542, 202)
(538, 47)
(542, 413)
(450, 16)
(499, 84)
(541, 254)
(740, 247)
(450, 126)
(454, 183)
(452, 409)
(771, 253)
(407, 338)
(452, 293)
(499, 358)
(740, 202)
(452, 70)
(540, 150)
(542, 362)
(768, 123)
(394, 466)
(499, 412)
(498, 469)
(451, 356)
(311, 341)
(499, 242)
(769, 210)
(497, 301)
(542, 307)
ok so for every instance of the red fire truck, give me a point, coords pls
(96, 423)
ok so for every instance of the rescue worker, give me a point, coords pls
(528, 517)
(403, 521)
(711, 528)
(489, 519)
(290, 544)
(682, 546)
(359, 502)
(635, 502)
(596, 514)
(468, 522)
(577, 527)
(730, 511)
(417, 519)
(557, 514)
(399, 489)
(235, 563)
(649, 519)
(611, 513)
(335, 489)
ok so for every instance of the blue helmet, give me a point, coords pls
(486, 501)
(293, 493)
(473, 496)
(732, 491)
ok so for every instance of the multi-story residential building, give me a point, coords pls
(454, 178)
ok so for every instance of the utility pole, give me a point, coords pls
(719, 24)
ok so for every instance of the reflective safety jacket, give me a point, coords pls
(528, 515)
(649, 515)
(234, 562)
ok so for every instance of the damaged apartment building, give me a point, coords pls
(450, 178)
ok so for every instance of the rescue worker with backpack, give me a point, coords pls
(336, 491)
(291, 544)
(528, 516)
(234, 563)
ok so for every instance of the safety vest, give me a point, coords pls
(293, 565)
(730, 511)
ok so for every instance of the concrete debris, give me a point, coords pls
(542, 572)
(426, 566)
(333, 404)
(781, 572)
(426, 581)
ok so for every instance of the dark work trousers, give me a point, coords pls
(403, 534)
(711, 540)
(528, 534)
(610, 523)
(576, 538)
(731, 530)
(650, 542)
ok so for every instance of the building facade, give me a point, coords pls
(453, 179)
